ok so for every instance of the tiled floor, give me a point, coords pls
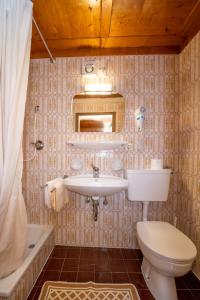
(106, 265)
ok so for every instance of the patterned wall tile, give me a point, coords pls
(150, 81)
(188, 205)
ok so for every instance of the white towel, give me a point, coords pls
(56, 195)
(49, 187)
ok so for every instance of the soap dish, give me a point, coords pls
(76, 164)
(117, 165)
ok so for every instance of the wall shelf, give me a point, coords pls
(98, 145)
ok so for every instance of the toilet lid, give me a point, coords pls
(166, 240)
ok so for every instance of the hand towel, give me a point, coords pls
(61, 198)
(56, 194)
(49, 187)
(53, 198)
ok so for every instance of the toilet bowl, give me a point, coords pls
(168, 253)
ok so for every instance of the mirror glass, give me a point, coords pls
(98, 113)
(95, 122)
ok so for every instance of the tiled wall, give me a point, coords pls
(188, 209)
(150, 81)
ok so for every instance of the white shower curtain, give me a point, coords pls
(15, 41)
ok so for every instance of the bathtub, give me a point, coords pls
(39, 245)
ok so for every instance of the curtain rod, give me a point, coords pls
(52, 59)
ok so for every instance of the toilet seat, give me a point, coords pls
(166, 241)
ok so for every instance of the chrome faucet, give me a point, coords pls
(95, 171)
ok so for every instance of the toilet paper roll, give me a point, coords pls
(156, 164)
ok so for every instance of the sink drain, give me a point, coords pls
(31, 246)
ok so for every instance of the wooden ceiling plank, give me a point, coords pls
(66, 44)
(119, 27)
(110, 42)
(191, 25)
(106, 13)
(140, 41)
(68, 18)
(152, 17)
(190, 15)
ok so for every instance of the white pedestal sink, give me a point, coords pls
(103, 186)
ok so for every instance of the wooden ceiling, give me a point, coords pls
(112, 27)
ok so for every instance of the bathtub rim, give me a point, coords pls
(8, 284)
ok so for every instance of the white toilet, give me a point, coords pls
(168, 253)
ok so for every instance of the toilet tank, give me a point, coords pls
(148, 185)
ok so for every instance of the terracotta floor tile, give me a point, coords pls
(86, 265)
(139, 253)
(36, 296)
(88, 253)
(68, 276)
(145, 295)
(71, 264)
(117, 265)
(101, 253)
(140, 261)
(115, 253)
(38, 282)
(120, 277)
(102, 265)
(54, 264)
(184, 295)
(73, 252)
(180, 283)
(195, 294)
(106, 265)
(132, 265)
(104, 277)
(50, 276)
(32, 293)
(44, 268)
(129, 253)
(138, 280)
(103, 250)
(191, 281)
(74, 247)
(60, 247)
(59, 252)
(85, 276)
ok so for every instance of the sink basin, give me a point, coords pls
(89, 186)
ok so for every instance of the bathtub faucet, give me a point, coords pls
(95, 171)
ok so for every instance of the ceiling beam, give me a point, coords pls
(75, 52)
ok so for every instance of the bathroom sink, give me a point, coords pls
(89, 186)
